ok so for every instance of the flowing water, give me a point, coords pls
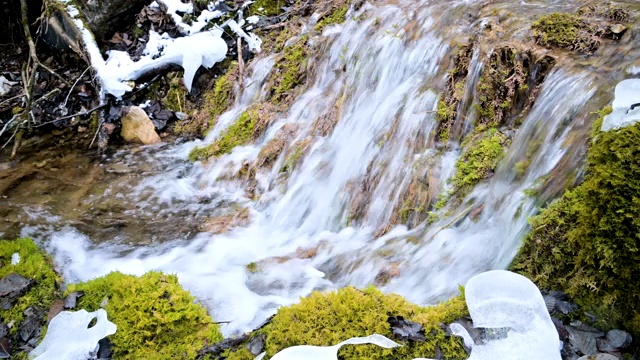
(380, 78)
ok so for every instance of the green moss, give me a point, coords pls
(292, 159)
(156, 317)
(240, 132)
(34, 264)
(565, 30)
(290, 70)
(588, 242)
(220, 97)
(266, 7)
(329, 318)
(478, 160)
(252, 267)
(337, 16)
(176, 98)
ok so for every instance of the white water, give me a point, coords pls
(387, 80)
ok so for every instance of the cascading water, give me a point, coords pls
(382, 91)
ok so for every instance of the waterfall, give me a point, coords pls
(376, 82)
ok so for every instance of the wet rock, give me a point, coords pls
(256, 345)
(5, 348)
(615, 339)
(4, 330)
(562, 330)
(599, 357)
(406, 330)
(105, 349)
(12, 286)
(71, 301)
(218, 348)
(138, 128)
(583, 341)
(31, 327)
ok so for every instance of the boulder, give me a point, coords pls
(137, 127)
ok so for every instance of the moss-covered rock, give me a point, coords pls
(34, 264)
(240, 132)
(156, 317)
(329, 318)
(337, 15)
(478, 160)
(588, 242)
(289, 71)
(266, 7)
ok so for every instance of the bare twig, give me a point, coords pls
(64, 105)
(240, 63)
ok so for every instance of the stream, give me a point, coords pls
(378, 77)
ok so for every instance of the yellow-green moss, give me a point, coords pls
(337, 16)
(219, 98)
(329, 318)
(240, 132)
(156, 317)
(34, 264)
(266, 7)
(588, 242)
(289, 70)
(478, 160)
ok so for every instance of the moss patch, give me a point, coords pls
(479, 160)
(156, 317)
(289, 71)
(329, 318)
(453, 93)
(240, 132)
(581, 33)
(266, 7)
(336, 16)
(588, 242)
(34, 264)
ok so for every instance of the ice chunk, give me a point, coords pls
(253, 41)
(502, 299)
(309, 352)
(68, 336)
(15, 259)
(627, 93)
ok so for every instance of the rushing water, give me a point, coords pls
(383, 89)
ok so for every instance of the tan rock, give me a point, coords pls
(138, 128)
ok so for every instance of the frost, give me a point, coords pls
(68, 336)
(309, 352)
(502, 299)
(627, 93)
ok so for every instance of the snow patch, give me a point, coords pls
(69, 338)
(627, 93)
(15, 259)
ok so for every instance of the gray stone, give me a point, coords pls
(12, 286)
(618, 339)
(256, 345)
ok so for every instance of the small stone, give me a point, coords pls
(406, 330)
(618, 29)
(104, 302)
(4, 330)
(256, 345)
(181, 115)
(71, 300)
(138, 128)
(617, 339)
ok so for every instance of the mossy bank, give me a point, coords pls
(329, 318)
